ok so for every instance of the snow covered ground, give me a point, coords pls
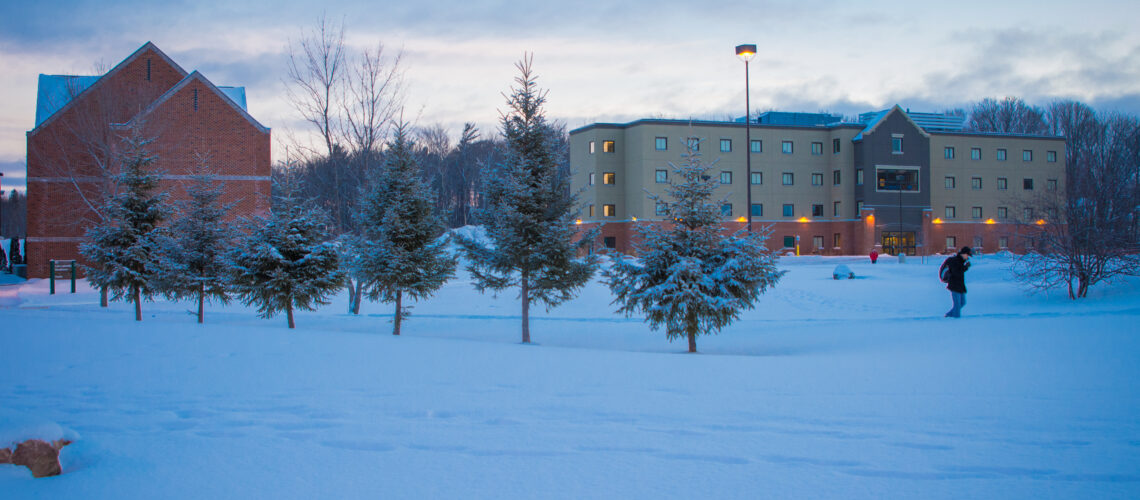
(828, 389)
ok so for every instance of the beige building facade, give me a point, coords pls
(888, 183)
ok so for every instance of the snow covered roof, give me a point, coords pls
(878, 118)
(55, 91)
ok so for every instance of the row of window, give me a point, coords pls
(952, 242)
(1002, 183)
(756, 146)
(816, 241)
(1002, 213)
(1001, 154)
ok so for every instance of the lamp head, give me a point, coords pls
(746, 52)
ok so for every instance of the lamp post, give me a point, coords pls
(746, 53)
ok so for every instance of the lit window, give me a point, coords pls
(975, 153)
(1002, 183)
(817, 210)
(757, 146)
(948, 153)
(726, 209)
(976, 212)
(661, 176)
(897, 145)
(726, 145)
(950, 183)
(661, 143)
(951, 212)
(591, 178)
(835, 209)
(817, 179)
(835, 145)
(897, 179)
(608, 146)
(951, 242)
(693, 143)
(609, 178)
(975, 183)
(1003, 212)
(757, 209)
(1051, 184)
(1001, 155)
(789, 179)
(609, 210)
(859, 177)
(1051, 156)
(1003, 241)
(757, 177)
(817, 148)
(726, 177)
(1027, 184)
(591, 147)
(789, 210)
(661, 208)
(1027, 155)
(786, 147)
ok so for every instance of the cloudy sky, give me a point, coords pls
(603, 60)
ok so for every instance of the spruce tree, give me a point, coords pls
(195, 262)
(400, 249)
(528, 217)
(123, 249)
(287, 262)
(690, 277)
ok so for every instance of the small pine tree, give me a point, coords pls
(195, 262)
(286, 262)
(400, 249)
(690, 277)
(123, 248)
(528, 217)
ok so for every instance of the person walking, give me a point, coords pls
(874, 256)
(953, 273)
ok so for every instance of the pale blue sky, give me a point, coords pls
(605, 61)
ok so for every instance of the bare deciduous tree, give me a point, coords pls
(1009, 115)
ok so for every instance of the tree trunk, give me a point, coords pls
(289, 313)
(201, 302)
(356, 297)
(103, 296)
(399, 312)
(525, 309)
(351, 297)
(692, 342)
(136, 296)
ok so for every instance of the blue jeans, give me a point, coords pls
(959, 302)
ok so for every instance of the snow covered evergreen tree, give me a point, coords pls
(692, 278)
(122, 249)
(528, 217)
(194, 264)
(400, 251)
(287, 262)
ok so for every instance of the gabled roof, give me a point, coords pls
(197, 76)
(58, 103)
(882, 116)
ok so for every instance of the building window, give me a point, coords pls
(591, 178)
(951, 242)
(610, 241)
(757, 209)
(1027, 155)
(1003, 212)
(789, 179)
(789, 210)
(817, 210)
(195, 99)
(1003, 242)
(975, 183)
(858, 209)
(757, 177)
(757, 146)
(817, 148)
(1051, 184)
(950, 183)
(1027, 184)
(591, 210)
(661, 143)
(817, 242)
(835, 177)
(897, 144)
(661, 176)
(951, 212)
(786, 147)
(609, 210)
(661, 208)
(1051, 156)
(835, 209)
(859, 177)
(817, 179)
(975, 153)
(1001, 155)
(897, 179)
(1002, 183)
(609, 178)
(693, 143)
(726, 209)
(608, 147)
(948, 153)
(726, 177)
(837, 238)
(789, 242)
(1052, 212)
(591, 147)
(1027, 214)
(976, 212)
(726, 145)
(835, 145)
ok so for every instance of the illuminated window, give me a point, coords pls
(726, 177)
(817, 148)
(817, 179)
(661, 176)
(609, 178)
(608, 146)
(897, 179)
(661, 143)
(609, 210)
(591, 147)
(975, 153)
(951, 212)
(726, 145)
(786, 147)
(757, 177)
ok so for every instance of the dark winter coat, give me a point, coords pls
(956, 278)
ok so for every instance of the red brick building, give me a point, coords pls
(80, 120)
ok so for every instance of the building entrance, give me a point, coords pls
(898, 242)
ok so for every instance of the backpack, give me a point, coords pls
(944, 271)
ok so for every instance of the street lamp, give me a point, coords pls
(746, 53)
